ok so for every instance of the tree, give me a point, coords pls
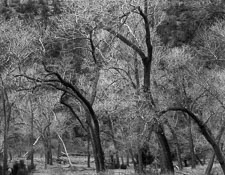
(54, 79)
(205, 131)
(109, 70)
(178, 149)
(147, 63)
(11, 55)
(211, 161)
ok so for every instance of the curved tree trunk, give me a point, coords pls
(211, 160)
(92, 120)
(147, 62)
(93, 123)
(206, 133)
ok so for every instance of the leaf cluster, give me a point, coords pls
(183, 21)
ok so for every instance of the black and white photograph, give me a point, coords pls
(112, 87)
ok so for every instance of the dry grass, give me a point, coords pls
(79, 168)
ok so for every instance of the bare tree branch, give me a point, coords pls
(92, 47)
(147, 34)
(127, 42)
(72, 111)
(204, 130)
(127, 74)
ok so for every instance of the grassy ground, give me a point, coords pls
(80, 168)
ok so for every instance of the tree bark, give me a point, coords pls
(133, 160)
(46, 156)
(128, 158)
(64, 146)
(59, 149)
(5, 143)
(191, 144)
(88, 152)
(122, 161)
(140, 162)
(49, 147)
(32, 134)
(167, 164)
(50, 154)
(97, 149)
(147, 71)
(178, 150)
(10, 156)
(147, 61)
(92, 120)
(111, 127)
(136, 71)
(93, 129)
(205, 131)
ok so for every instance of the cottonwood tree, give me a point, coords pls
(43, 119)
(71, 53)
(206, 88)
(69, 49)
(145, 52)
(205, 131)
(13, 51)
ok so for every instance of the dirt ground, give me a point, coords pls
(80, 168)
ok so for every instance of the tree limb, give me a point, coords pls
(128, 75)
(204, 130)
(72, 111)
(127, 42)
(147, 33)
(75, 90)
